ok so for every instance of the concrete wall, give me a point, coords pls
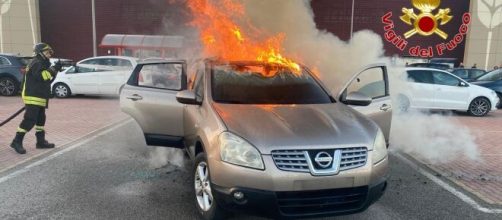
(19, 26)
(484, 43)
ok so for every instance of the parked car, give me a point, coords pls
(431, 65)
(12, 70)
(267, 138)
(491, 80)
(438, 89)
(94, 76)
(468, 74)
(89, 80)
(114, 61)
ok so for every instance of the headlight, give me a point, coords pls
(236, 150)
(379, 148)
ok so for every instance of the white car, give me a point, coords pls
(437, 89)
(94, 76)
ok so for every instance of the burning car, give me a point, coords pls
(267, 137)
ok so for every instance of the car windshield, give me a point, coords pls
(491, 76)
(265, 84)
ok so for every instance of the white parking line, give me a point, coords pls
(67, 149)
(446, 186)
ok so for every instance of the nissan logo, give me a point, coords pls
(323, 159)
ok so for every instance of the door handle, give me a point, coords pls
(135, 97)
(385, 107)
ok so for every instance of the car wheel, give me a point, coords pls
(8, 86)
(479, 107)
(204, 199)
(61, 90)
(403, 103)
(500, 98)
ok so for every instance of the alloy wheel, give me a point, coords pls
(479, 107)
(7, 87)
(61, 91)
(203, 187)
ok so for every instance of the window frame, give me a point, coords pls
(446, 74)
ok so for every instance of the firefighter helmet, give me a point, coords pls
(41, 47)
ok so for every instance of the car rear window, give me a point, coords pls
(420, 76)
(265, 84)
(491, 76)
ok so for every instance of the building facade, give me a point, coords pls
(75, 28)
(19, 26)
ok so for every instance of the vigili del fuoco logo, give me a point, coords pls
(425, 23)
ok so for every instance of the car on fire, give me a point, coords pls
(267, 138)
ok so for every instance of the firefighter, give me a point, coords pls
(35, 93)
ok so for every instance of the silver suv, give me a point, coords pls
(267, 138)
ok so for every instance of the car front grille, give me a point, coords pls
(353, 158)
(318, 202)
(296, 160)
(291, 160)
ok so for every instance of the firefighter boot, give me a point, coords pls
(41, 142)
(17, 143)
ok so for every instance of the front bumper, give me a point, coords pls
(300, 204)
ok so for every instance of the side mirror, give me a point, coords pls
(187, 97)
(463, 84)
(357, 98)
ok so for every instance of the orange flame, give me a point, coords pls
(223, 38)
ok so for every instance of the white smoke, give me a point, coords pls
(163, 156)
(436, 138)
(433, 137)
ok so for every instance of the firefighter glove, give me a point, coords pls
(58, 66)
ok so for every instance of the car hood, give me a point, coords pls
(322, 126)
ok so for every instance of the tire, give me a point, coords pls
(203, 196)
(61, 90)
(8, 86)
(479, 107)
(500, 98)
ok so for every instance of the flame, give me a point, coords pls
(223, 37)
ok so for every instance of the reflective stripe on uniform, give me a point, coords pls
(39, 128)
(30, 100)
(46, 75)
(21, 130)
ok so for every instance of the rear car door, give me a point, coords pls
(373, 82)
(448, 93)
(84, 80)
(150, 98)
(421, 89)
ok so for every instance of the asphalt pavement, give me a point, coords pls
(110, 176)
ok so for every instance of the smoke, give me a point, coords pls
(163, 156)
(432, 136)
(436, 138)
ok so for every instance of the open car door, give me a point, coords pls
(372, 81)
(150, 98)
